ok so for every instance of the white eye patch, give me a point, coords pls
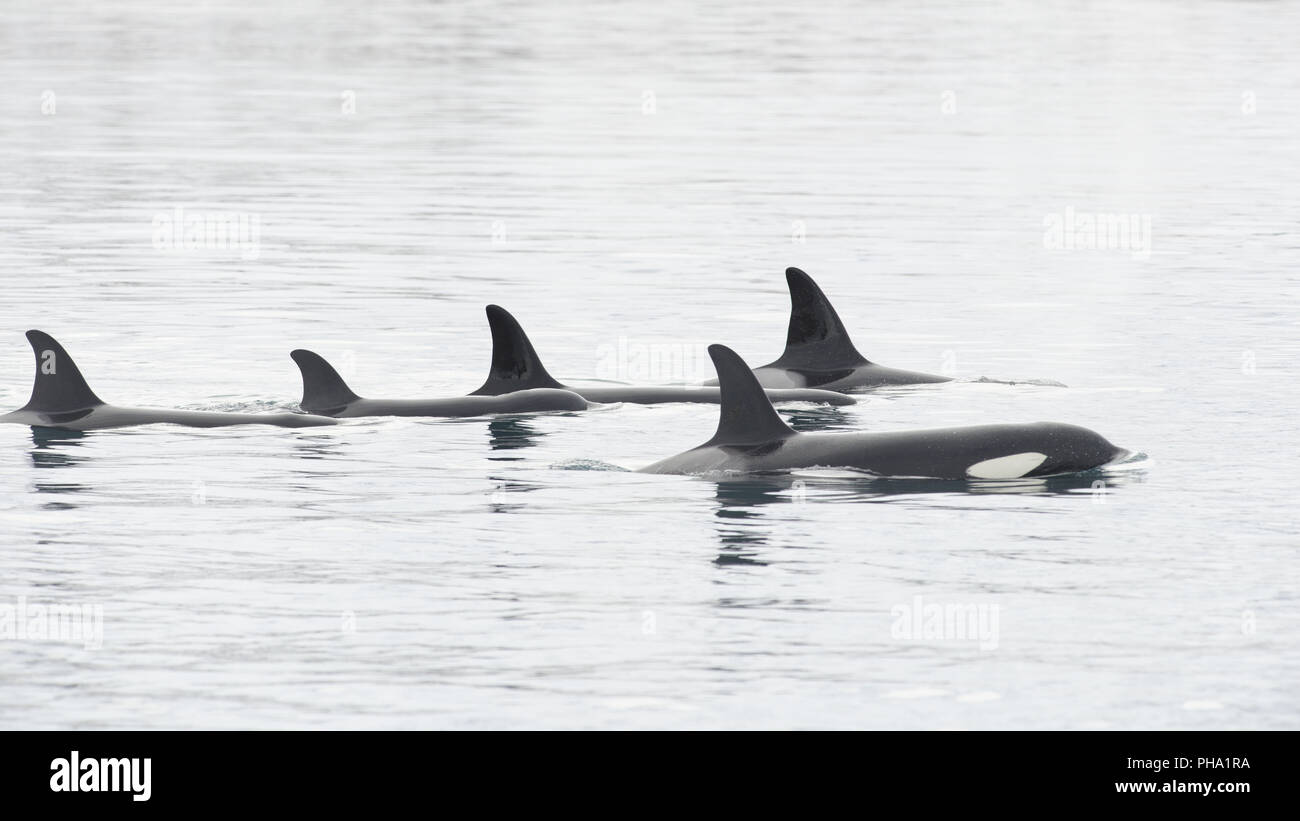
(1006, 467)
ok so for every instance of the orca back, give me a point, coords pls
(59, 387)
(323, 390)
(515, 364)
(816, 340)
(746, 416)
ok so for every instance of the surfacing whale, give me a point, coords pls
(752, 437)
(324, 392)
(62, 399)
(517, 367)
(818, 351)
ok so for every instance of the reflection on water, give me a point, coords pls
(47, 437)
(736, 495)
(741, 525)
(312, 449)
(511, 433)
(317, 447)
(55, 448)
(1095, 484)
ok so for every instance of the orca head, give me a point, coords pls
(1074, 449)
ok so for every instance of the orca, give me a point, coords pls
(324, 392)
(818, 351)
(752, 437)
(516, 366)
(61, 399)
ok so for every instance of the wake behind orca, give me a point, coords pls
(818, 351)
(62, 399)
(517, 367)
(752, 437)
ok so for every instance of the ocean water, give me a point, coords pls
(630, 180)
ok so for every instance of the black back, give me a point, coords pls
(747, 416)
(322, 387)
(515, 365)
(59, 385)
(816, 339)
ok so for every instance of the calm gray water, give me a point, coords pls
(631, 179)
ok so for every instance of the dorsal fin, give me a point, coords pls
(515, 365)
(59, 385)
(322, 387)
(747, 416)
(816, 339)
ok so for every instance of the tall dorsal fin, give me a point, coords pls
(322, 387)
(816, 339)
(59, 385)
(747, 416)
(515, 365)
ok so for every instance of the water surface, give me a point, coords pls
(630, 180)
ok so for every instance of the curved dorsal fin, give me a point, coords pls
(322, 387)
(59, 385)
(816, 339)
(747, 416)
(515, 365)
